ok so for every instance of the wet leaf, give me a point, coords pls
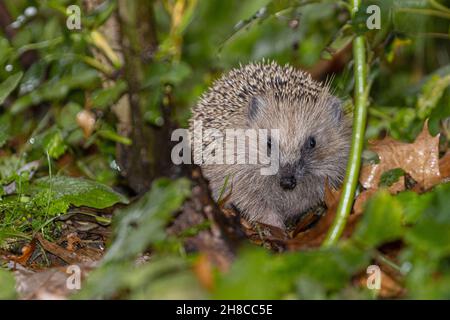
(419, 159)
(65, 191)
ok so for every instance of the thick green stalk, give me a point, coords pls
(359, 125)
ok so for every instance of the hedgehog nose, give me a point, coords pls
(288, 183)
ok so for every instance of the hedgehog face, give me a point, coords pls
(313, 138)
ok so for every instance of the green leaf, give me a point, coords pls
(5, 128)
(414, 204)
(142, 223)
(100, 14)
(7, 285)
(330, 269)
(114, 136)
(56, 89)
(390, 177)
(432, 231)
(431, 93)
(54, 144)
(163, 73)
(342, 38)
(408, 16)
(7, 86)
(164, 278)
(381, 222)
(103, 98)
(65, 191)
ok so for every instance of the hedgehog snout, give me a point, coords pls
(288, 180)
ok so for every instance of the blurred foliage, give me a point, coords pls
(7, 284)
(50, 75)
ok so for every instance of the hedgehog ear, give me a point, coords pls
(336, 108)
(255, 105)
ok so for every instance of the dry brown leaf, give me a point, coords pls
(86, 121)
(419, 159)
(72, 241)
(69, 257)
(314, 237)
(203, 269)
(390, 287)
(48, 284)
(444, 166)
(305, 222)
(27, 251)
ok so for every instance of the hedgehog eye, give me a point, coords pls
(311, 142)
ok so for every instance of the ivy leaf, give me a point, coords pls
(65, 191)
(7, 86)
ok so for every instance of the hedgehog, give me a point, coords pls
(312, 142)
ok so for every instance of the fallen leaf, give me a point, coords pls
(419, 159)
(444, 166)
(49, 284)
(86, 121)
(309, 219)
(314, 237)
(389, 286)
(72, 241)
(27, 251)
(203, 269)
(69, 257)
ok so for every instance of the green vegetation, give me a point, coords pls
(86, 117)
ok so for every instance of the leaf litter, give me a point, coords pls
(217, 230)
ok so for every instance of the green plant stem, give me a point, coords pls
(359, 124)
